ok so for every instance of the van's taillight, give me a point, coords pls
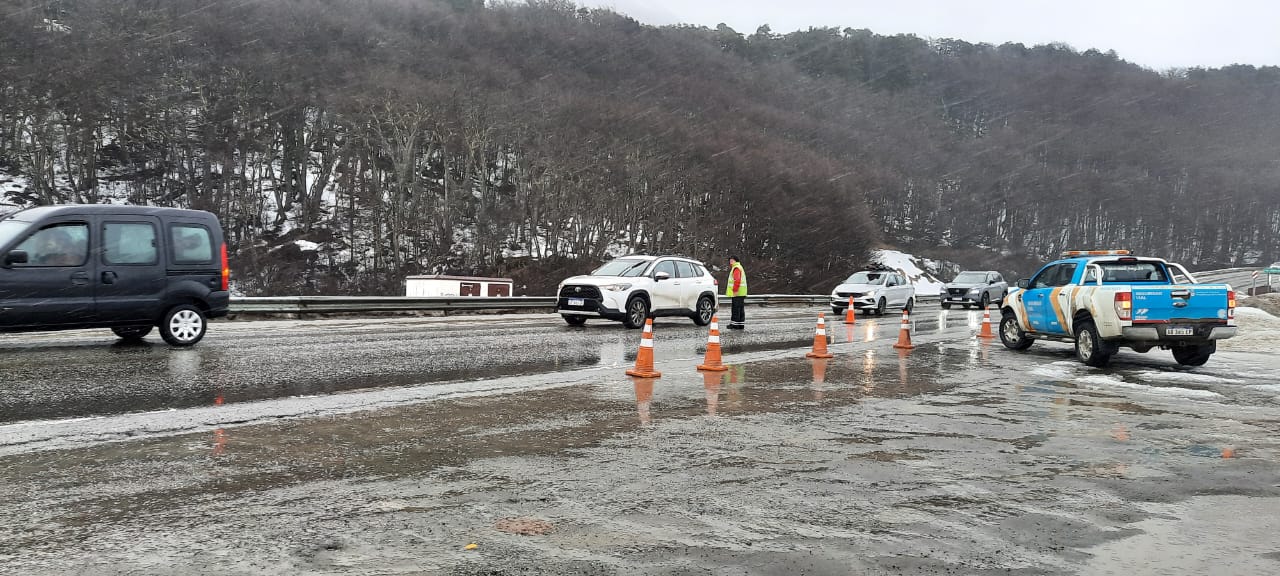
(1231, 304)
(226, 272)
(1124, 305)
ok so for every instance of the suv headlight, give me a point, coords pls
(975, 290)
(616, 287)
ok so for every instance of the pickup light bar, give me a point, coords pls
(1072, 253)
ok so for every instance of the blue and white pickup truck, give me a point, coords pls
(1105, 299)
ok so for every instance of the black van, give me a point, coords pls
(128, 268)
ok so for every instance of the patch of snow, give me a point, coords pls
(1101, 382)
(909, 266)
(1187, 377)
(1259, 332)
(307, 245)
(1060, 370)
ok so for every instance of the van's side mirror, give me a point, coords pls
(1024, 283)
(660, 276)
(15, 257)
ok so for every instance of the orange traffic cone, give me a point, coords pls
(904, 335)
(820, 340)
(986, 334)
(712, 361)
(849, 317)
(644, 358)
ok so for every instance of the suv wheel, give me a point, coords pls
(985, 302)
(183, 325)
(574, 319)
(131, 332)
(706, 309)
(880, 306)
(911, 303)
(637, 312)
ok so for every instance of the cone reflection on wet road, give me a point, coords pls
(219, 442)
(711, 385)
(737, 377)
(819, 377)
(644, 397)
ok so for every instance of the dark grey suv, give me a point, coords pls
(127, 268)
(974, 288)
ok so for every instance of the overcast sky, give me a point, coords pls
(1158, 34)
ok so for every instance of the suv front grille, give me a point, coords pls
(957, 291)
(580, 291)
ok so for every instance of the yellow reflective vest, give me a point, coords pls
(742, 284)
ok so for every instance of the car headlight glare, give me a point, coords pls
(616, 287)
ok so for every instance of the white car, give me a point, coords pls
(874, 291)
(633, 288)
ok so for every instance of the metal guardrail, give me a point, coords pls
(341, 304)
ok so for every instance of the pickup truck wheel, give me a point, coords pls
(1194, 355)
(1090, 348)
(637, 312)
(1141, 348)
(1011, 334)
(574, 319)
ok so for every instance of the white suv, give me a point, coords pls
(873, 291)
(633, 288)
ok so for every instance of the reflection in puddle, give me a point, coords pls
(644, 397)
(1120, 432)
(219, 442)
(711, 385)
(871, 332)
(819, 376)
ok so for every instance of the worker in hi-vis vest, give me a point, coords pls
(735, 288)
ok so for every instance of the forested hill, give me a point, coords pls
(348, 143)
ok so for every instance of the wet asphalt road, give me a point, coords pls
(958, 457)
(90, 372)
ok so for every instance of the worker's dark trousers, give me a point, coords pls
(739, 318)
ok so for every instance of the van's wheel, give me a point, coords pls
(706, 309)
(1011, 334)
(574, 319)
(1090, 348)
(637, 312)
(131, 332)
(183, 325)
(1194, 355)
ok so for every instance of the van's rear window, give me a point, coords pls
(191, 243)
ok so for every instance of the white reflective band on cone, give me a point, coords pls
(822, 332)
(713, 340)
(646, 343)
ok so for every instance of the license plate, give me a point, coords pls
(1179, 332)
(577, 302)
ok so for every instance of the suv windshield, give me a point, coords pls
(872, 278)
(971, 278)
(626, 268)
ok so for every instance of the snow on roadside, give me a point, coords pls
(909, 266)
(1259, 332)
